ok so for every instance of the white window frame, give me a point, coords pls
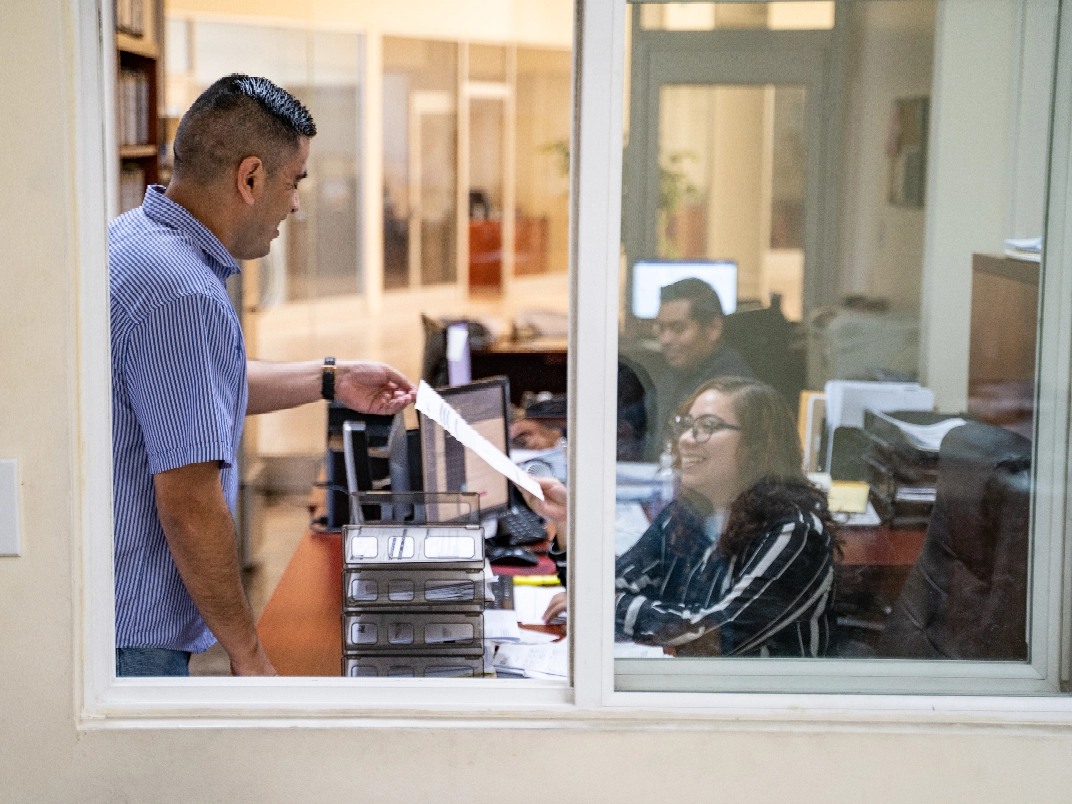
(591, 702)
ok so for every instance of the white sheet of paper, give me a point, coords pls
(530, 602)
(631, 650)
(439, 410)
(538, 661)
(500, 625)
(529, 637)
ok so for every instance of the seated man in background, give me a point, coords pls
(689, 329)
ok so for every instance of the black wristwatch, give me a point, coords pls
(327, 379)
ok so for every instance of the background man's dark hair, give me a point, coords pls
(704, 303)
(236, 117)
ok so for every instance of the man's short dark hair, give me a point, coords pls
(704, 304)
(236, 117)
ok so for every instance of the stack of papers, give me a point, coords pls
(500, 625)
(549, 660)
(1024, 248)
(927, 437)
(631, 650)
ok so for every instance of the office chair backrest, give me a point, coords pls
(966, 595)
(771, 346)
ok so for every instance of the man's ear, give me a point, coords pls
(714, 329)
(250, 179)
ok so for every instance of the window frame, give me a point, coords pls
(102, 701)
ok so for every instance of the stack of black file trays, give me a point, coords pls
(413, 596)
(902, 468)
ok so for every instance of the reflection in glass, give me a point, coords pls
(742, 562)
(419, 162)
(542, 160)
(711, 16)
(731, 183)
(924, 551)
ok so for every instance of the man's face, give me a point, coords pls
(685, 342)
(278, 199)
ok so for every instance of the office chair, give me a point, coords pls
(771, 345)
(966, 595)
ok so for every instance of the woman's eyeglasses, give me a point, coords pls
(703, 427)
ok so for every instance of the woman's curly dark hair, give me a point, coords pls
(769, 461)
(766, 502)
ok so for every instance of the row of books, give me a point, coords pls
(131, 187)
(134, 112)
(130, 16)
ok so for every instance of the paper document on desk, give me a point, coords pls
(439, 410)
(530, 602)
(534, 661)
(500, 625)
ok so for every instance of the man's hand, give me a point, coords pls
(201, 536)
(369, 387)
(553, 504)
(362, 385)
(555, 607)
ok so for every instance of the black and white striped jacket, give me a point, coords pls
(774, 599)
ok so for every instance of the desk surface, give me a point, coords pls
(301, 627)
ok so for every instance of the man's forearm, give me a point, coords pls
(200, 534)
(276, 386)
(363, 385)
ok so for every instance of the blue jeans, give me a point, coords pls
(151, 662)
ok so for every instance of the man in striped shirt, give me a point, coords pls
(181, 383)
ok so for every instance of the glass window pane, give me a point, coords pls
(542, 170)
(487, 62)
(419, 162)
(836, 438)
(709, 16)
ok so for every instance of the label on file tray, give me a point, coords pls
(363, 590)
(363, 547)
(436, 546)
(400, 633)
(363, 634)
(400, 590)
(400, 547)
(436, 633)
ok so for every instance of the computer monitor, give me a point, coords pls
(649, 277)
(459, 361)
(450, 467)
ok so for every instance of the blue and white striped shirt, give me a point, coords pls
(178, 397)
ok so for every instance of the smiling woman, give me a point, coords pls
(742, 563)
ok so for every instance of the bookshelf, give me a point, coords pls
(139, 51)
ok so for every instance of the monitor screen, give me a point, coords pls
(650, 277)
(450, 467)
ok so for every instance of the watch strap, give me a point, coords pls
(327, 379)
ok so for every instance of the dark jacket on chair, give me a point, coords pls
(966, 596)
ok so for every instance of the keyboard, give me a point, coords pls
(520, 528)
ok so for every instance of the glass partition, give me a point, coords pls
(420, 107)
(820, 237)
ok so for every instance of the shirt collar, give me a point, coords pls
(161, 209)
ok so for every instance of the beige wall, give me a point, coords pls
(891, 54)
(45, 758)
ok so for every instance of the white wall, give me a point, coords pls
(891, 56)
(45, 758)
(969, 177)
